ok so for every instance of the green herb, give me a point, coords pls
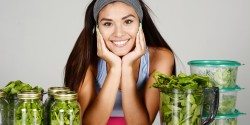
(29, 112)
(181, 97)
(65, 112)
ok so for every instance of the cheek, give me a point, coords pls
(105, 34)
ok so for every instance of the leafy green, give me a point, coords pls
(181, 97)
(65, 112)
(11, 90)
(227, 104)
(4, 116)
(29, 112)
(226, 121)
(222, 77)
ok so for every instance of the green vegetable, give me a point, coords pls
(29, 112)
(65, 112)
(227, 104)
(4, 116)
(226, 121)
(11, 90)
(181, 98)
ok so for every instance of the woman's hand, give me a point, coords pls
(104, 53)
(140, 49)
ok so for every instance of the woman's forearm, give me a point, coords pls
(98, 112)
(133, 107)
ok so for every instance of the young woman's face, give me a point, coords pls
(118, 24)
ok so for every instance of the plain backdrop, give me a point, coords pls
(37, 36)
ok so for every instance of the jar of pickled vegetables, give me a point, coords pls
(4, 114)
(29, 109)
(50, 100)
(65, 110)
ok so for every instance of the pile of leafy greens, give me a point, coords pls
(65, 112)
(181, 97)
(11, 90)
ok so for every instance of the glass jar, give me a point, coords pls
(50, 100)
(65, 110)
(29, 109)
(4, 114)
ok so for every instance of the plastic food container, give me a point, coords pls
(229, 119)
(222, 73)
(227, 100)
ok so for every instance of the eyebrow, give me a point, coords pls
(107, 19)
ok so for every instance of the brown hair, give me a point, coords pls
(84, 52)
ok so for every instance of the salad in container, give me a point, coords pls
(228, 119)
(222, 73)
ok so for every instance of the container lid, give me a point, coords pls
(214, 63)
(53, 90)
(236, 114)
(65, 95)
(236, 88)
(29, 95)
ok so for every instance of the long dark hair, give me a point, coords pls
(84, 52)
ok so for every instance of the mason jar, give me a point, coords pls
(50, 100)
(4, 114)
(29, 109)
(65, 110)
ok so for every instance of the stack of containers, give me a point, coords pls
(222, 74)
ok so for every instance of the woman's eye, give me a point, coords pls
(128, 21)
(107, 24)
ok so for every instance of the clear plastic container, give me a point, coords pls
(183, 107)
(65, 110)
(50, 100)
(227, 101)
(29, 110)
(229, 119)
(4, 109)
(222, 73)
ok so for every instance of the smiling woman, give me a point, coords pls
(113, 61)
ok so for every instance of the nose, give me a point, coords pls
(119, 31)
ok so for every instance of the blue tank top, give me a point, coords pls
(143, 76)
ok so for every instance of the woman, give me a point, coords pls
(112, 63)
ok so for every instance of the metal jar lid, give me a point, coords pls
(65, 95)
(29, 95)
(53, 90)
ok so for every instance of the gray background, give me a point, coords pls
(36, 37)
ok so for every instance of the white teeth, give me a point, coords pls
(120, 43)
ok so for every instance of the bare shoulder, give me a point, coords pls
(161, 59)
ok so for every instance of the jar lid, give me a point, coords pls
(235, 114)
(53, 90)
(29, 95)
(65, 95)
(2, 94)
(225, 63)
(236, 88)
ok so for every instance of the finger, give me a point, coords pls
(142, 39)
(137, 42)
